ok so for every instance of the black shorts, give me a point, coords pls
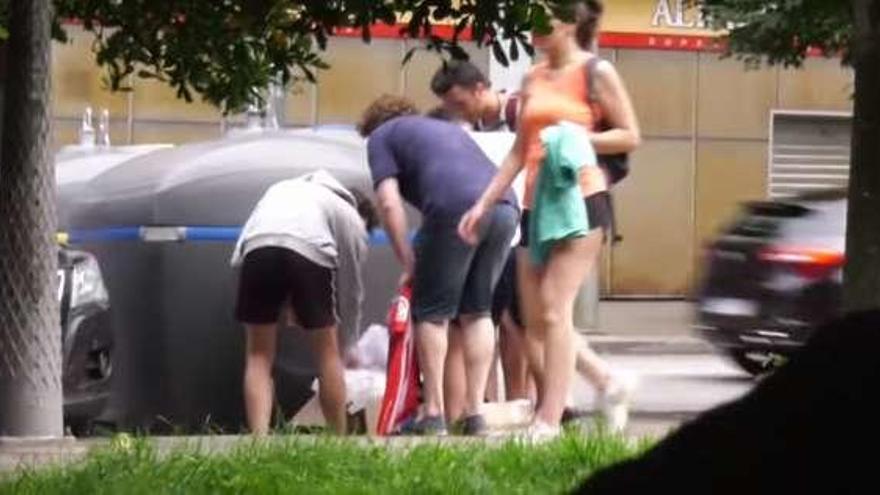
(506, 295)
(599, 215)
(272, 277)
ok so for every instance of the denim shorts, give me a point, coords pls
(454, 278)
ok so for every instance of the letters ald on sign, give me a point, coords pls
(677, 14)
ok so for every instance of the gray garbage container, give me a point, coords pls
(163, 227)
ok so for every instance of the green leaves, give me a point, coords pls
(783, 32)
(225, 51)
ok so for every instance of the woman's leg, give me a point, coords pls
(529, 277)
(567, 267)
(258, 384)
(513, 359)
(591, 366)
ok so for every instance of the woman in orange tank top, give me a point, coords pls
(555, 90)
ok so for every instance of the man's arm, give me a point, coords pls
(394, 219)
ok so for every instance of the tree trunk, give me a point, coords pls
(30, 333)
(862, 272)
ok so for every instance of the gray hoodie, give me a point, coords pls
(317, 217)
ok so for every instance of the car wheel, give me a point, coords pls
(755, 363)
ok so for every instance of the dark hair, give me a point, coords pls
(366, 209)
(440, 112)
(383, 109)
(456, 73)
(586, 15)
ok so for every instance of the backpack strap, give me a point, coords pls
(590, 67)
(511, 107)
(592, 100)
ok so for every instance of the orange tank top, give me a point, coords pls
(550, 99)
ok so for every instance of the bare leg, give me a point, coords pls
(591, 366)
(493, 392)
(454, 381)
(479, 348)
(259, 387)
(566, 268)
(331, 377)
(513, 359)
(529, 278)
(431, 340)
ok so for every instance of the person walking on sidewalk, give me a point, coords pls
(300, 255)
(554, 92)
(436, 167)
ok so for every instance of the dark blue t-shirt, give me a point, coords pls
(440, 169)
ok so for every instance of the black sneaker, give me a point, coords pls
(474, 426)
(427, 426)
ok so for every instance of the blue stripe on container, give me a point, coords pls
(193, 234)
(212, 233)
(110, 234)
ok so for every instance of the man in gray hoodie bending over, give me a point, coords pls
(301, 253)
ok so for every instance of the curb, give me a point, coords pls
(648, 345)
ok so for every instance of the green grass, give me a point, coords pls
(330, 465)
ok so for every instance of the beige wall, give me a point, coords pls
(662, 86)
(358, 73)
(653, 207)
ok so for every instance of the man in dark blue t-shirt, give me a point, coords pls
(436, 167)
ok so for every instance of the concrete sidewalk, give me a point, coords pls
(646, 327)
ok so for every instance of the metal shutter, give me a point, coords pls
(808, 152)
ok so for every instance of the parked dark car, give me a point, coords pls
(772, 276)
(87, 340)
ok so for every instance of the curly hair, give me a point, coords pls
(383, 109)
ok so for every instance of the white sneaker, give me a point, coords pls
(540, 432)
(613, 403)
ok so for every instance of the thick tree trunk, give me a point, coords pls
(30, 334)
(862, 273)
